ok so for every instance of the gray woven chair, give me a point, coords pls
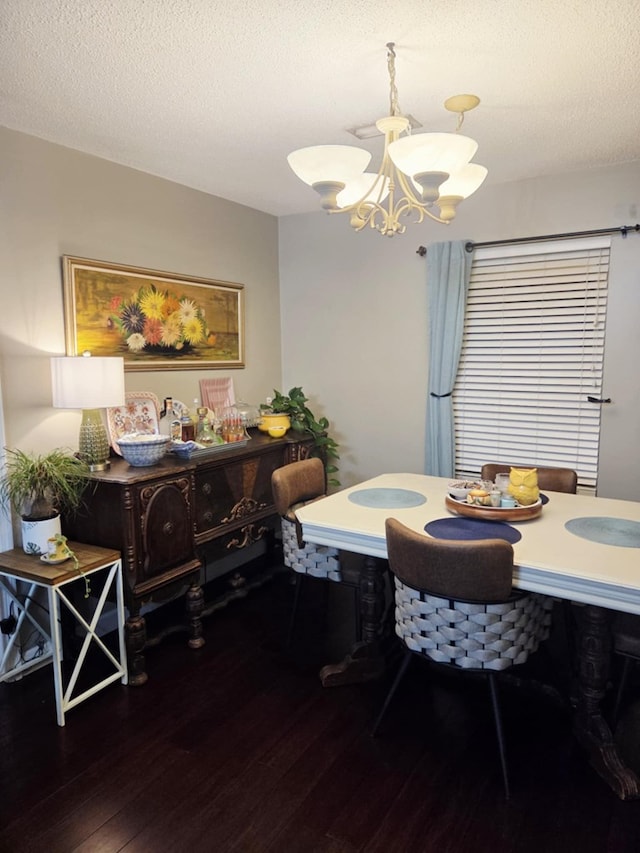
(625, 634)
(552, 480)
(455, 605)
(294, 486)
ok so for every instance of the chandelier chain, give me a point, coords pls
(394, 108)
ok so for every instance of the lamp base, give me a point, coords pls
(93, 444)
(100, 466)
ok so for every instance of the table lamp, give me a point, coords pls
(88, 383)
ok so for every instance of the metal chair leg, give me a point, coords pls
(396, 682)
(498, 721)
(297, 577)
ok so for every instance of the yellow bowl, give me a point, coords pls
(269, 421)
(277, 431)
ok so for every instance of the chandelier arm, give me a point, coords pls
(413, 203)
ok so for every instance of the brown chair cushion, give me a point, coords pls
(551, 479)
(479, 571)
(297, 482)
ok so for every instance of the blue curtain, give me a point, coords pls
(448, 270)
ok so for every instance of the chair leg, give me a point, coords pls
(498, 721)
(396, 683)
(294, 609)
(621, 688)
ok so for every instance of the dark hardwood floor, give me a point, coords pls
(237, 747)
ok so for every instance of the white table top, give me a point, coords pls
(548, 558)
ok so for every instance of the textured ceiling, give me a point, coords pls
(214, 94)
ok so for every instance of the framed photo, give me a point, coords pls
(155, 320)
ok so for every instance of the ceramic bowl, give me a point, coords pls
(460, 488)
(143, 449)
(269, 421)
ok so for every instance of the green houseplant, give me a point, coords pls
(303, 420)
(39, 488)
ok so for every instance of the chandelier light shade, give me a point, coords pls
(441, 152)
(421, 174)
(367, 186)
(90, 384)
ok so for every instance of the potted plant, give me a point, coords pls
(302, 419)
(39, 488)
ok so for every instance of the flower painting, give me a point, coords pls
(155, 320)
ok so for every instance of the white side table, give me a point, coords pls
(18, 569)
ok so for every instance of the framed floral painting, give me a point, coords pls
(155, 320)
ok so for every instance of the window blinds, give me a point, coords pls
(532, 354)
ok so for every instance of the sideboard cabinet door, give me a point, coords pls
(166, 526)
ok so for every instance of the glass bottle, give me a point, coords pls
(166, 416)
(204, 433)
(188, 431)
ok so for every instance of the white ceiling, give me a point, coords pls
(214, 94)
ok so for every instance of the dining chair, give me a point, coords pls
(625, 635)
(553, 479)
(293, 486)
(455, 606)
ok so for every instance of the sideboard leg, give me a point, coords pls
(135, 632)
(195, 606)
(591, 729)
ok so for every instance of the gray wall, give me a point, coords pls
(354, 316)
(55, 201)
(352, 307)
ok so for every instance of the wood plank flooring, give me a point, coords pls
(237, 747)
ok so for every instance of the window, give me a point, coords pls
(532, 355)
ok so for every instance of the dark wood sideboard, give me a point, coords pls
(162, 516)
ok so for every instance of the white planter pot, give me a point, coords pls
(35, 534)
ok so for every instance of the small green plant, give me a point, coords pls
(38, 486)
(303, 420)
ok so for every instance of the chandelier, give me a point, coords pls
(422, 174)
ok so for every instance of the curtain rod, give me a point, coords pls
(470, 246)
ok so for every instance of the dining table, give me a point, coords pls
(580, 548)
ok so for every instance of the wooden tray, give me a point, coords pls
(494, 513)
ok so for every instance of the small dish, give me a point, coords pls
(53, 561)
(179, 408)
(277, 431)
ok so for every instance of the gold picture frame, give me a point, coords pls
(156, 320)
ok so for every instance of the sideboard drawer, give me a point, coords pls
(233, 494)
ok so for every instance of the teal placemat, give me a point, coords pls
(606, 531)
(387, 498)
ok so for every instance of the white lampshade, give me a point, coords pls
(90, 384)
(85, 382)
(465, 182)
(320, 163)
(432, 152)
(363, 185)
